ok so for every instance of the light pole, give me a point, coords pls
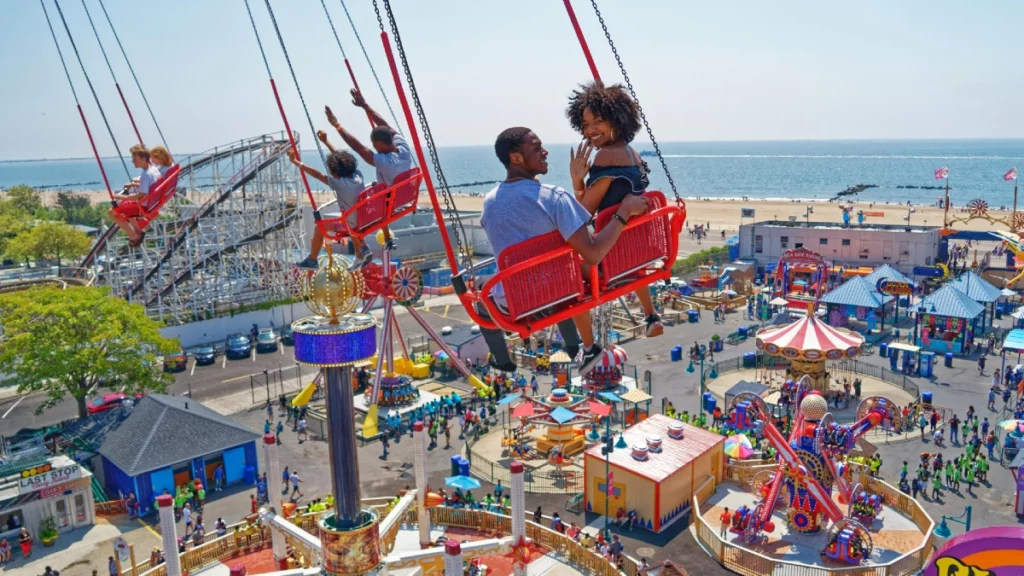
(607, 450)
(943, 530)
(698, 355)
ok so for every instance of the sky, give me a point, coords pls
(703, 71)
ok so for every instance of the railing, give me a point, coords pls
(865, 368)
(207, 552)
(750, 563)
(111, 508)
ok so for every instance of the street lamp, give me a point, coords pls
(699, 355)
(607, 450)
(943, 530)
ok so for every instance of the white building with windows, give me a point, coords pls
(902, 247)
(34, 489)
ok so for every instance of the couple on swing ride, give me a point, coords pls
(521, 208)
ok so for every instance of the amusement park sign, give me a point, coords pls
(894, 288)
(802, 256)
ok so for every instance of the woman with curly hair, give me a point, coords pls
(608, 120)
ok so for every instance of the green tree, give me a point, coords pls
(49, 241)
(25, 198)
(70, 342)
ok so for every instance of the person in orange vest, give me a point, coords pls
(716, 415)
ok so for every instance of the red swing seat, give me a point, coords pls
(147, 210)
(377, 206)
(544, 281)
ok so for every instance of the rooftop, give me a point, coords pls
(164, 430)
(837, 225)
(856, 292)
(674, 455)
(950, 302)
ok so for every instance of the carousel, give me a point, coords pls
(563, 417)
(808, 344)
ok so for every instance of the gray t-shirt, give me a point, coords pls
(392, 164)
(347, 190)
(517, 211)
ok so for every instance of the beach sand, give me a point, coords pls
(719, 213)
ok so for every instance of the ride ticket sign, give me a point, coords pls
(42, 477)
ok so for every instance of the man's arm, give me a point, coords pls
(365, 153)
(360, 102)
(594, 248)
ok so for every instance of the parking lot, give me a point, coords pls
(221, 378)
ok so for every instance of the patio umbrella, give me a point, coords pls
(729, 293)
(462, 482)
(1007, 292)
(738, 446)
(780, 301)
(523, 410)
(1011, 425)
(1018, 314)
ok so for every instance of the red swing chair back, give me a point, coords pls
(377, 206)
(543, 277)
(147, 210)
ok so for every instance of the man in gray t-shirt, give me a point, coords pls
(390, 155)
(521, 208)
(347, 183)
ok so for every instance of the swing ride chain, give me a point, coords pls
(334, 30)
(632, 92)
(428, 138)
(367, 57)
(312, 128)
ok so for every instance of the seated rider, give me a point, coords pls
(521, 208)
(131, 206)
(347, 183)
(609, 119)
(391, 154)
(161, 158)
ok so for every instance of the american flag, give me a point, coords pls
(1011, 175)
(942, 173)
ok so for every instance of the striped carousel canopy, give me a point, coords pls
(809, 339)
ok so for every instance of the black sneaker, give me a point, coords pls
(586, 360)
(391, 245)
(308, 264)
(654, 326)
(507, 367)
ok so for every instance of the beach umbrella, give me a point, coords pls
(1018, 314)
(1011, 425)
(780, 301)
(729, 293)
(462, 482)
(1007, 292)
(523, 410)
(738, 446)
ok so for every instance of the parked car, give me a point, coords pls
(108, 401)
(237, 346)
(205, 355)
(175, 362)
(266, 341)
(287, 337)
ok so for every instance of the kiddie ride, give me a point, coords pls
(807, 470)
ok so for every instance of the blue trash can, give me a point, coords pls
(927, 361)
(249, 475)
(676, 354)
(883, 350)
(692, 315)
(710, 401)
(749, 359)
(743, 332)
(463, 467)
(455, 464)
(926, 398)
(948, 363)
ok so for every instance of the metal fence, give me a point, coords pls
(270, 385)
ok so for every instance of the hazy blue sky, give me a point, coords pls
(712, 70)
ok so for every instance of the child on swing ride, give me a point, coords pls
(521, 208)
(609, 119)
(347, 183)
(391, 155)
(130, 206)
(161, 158)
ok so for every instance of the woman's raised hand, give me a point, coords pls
(579, 161)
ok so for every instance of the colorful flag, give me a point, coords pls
(942, 173)
(1011, 175)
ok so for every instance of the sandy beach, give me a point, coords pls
(719, 213)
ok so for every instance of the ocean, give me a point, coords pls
(799, 170)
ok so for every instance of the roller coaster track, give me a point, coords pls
(187, 169)
(267, 156)
(215, 255)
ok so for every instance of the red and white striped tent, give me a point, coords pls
(809, 339)
(613, 356)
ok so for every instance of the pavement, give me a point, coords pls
(956, 387)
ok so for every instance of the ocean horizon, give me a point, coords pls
(799, 170)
